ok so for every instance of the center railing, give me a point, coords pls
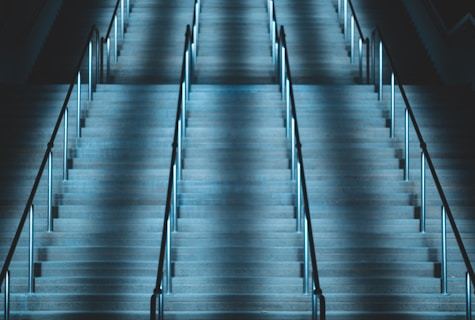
(163, 283)
(92, 56)
(377, 52)
(281, 59)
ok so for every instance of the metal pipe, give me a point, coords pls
(352, 39)
(65, 149)
(160, 305)
(273, 39)
(299, 200)
(443, 280)
(31, 262)
(288, 118)
(282, 70)
(380, 86)
(423, 194)
(292, 150)
(345, 19)
(393, 106)
(108, 53)
(175, 204)
(183, 110)
(187, 75)
(122, 21)
(339, 9)
(89, 90)
(50, 192)
(169, 258)
(128, 9)
(179, 156)
(78, 119)
(116, 40)
(314, 304)
(6, 306)
(360, 58)
(468, 296)
(406, 146)
(306, 258)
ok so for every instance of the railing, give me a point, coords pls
(350, 34)
(94, 50)
(170, 217)
(298, 174)
(281, 59)
(446, 212)
(169, 221)
(93, 38)
(117, 17)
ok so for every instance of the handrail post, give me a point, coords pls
(352, 39)
(406, 146)
(345, 19)
(380, 80)
(468, 296)
(314, 303)
(168, 258)
(288, 121)
(292, 150)
(31, 262)
(282, 71)
(108, 54)
(179, 156)
(393, 106)
(116, 39)
(306, 258)
(122, 21)
(89, 91)
(299, 200)
(50, 191)
(443, 280)
(175, 203)
(128, 9)
(6, 306)
(78, 119)
(360, 59)
(183, 110)
(423, 194)
(65, 148)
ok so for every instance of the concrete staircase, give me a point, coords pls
(236, 253)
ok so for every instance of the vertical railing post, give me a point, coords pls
(299, 199)
(50, 191)
(306, 257)
(89, 89)
(116, 40)
(31, 250)
(443, 276)
(122, 20)
(288, 121)
(423, 194)
(380, 80)
(406, 145)
(128, 9)
(183, 109)
(179, 148)
(468, 296)
(160, 305)
(345, 19)
(292, 150)
(352, 39)
(393, 106)
(175, 203)
(360, 58)
(168, 258)
(6, 306)
(108, 54)
(65, 148)
(78, 119)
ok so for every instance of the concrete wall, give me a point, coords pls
(23, 32)
(451, 54)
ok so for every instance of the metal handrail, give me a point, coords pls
(105, 40)
(362, 39)
(4, 275)
(425, 156)
(287, 86)
(176, 157)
